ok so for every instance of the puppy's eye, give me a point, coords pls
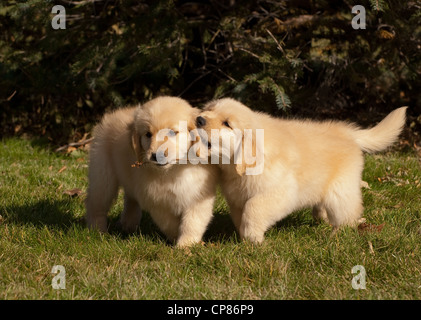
(225, 123)
(148, 134)
(172, 133)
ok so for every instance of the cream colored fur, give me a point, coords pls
(306, 164)
(178, 197)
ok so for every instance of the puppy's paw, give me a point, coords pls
(97, 223)
(361, 220)
(128, 228)
(187, 243)
(254, 238)
(251, 235)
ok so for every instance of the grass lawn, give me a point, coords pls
(41, 225)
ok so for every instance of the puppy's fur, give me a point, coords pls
(306, 163)
(179, 197)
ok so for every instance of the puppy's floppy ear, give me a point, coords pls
(209, 106)
(135, 143)
(192, 128)
(191, 123)
(248, 157)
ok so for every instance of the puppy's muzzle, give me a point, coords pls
(157, 160)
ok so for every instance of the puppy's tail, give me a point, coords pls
(382, 135)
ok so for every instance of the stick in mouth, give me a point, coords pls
(137, 164)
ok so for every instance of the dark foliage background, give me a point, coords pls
(296, 57)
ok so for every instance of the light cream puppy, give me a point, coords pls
(305, 164)
(179, 197)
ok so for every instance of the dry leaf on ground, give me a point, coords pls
(368, 227)
(73, 192)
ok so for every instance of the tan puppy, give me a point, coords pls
(179, 197)
(304, 163)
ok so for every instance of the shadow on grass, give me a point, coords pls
(221, 229)
(54, 213)
(147, 228)
(296, 220)
(41, 143)
(59, 214)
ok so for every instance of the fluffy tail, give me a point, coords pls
(382, 135)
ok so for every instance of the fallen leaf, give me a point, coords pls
(367, 227)
(18, 128)
(384, 34)
(70, 149)
(73, 192)
(62, 169)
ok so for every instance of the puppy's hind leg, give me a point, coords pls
(319, 213)
(102, 191)
(344, 205)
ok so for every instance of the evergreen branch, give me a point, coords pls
(377, 5)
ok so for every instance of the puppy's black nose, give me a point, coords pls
(200, 121)
(153, 157)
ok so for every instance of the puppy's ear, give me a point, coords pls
(135, 143)
(209, 106)
(241, 169)
(191, 123)
(248, 157)
(194, 135)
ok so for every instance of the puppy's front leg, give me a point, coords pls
(194, 223)
(259, 215)
(132, 213)
(167, 222)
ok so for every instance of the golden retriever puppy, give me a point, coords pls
(290, 164)
(144, 150)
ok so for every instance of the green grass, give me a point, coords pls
(40, 227)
